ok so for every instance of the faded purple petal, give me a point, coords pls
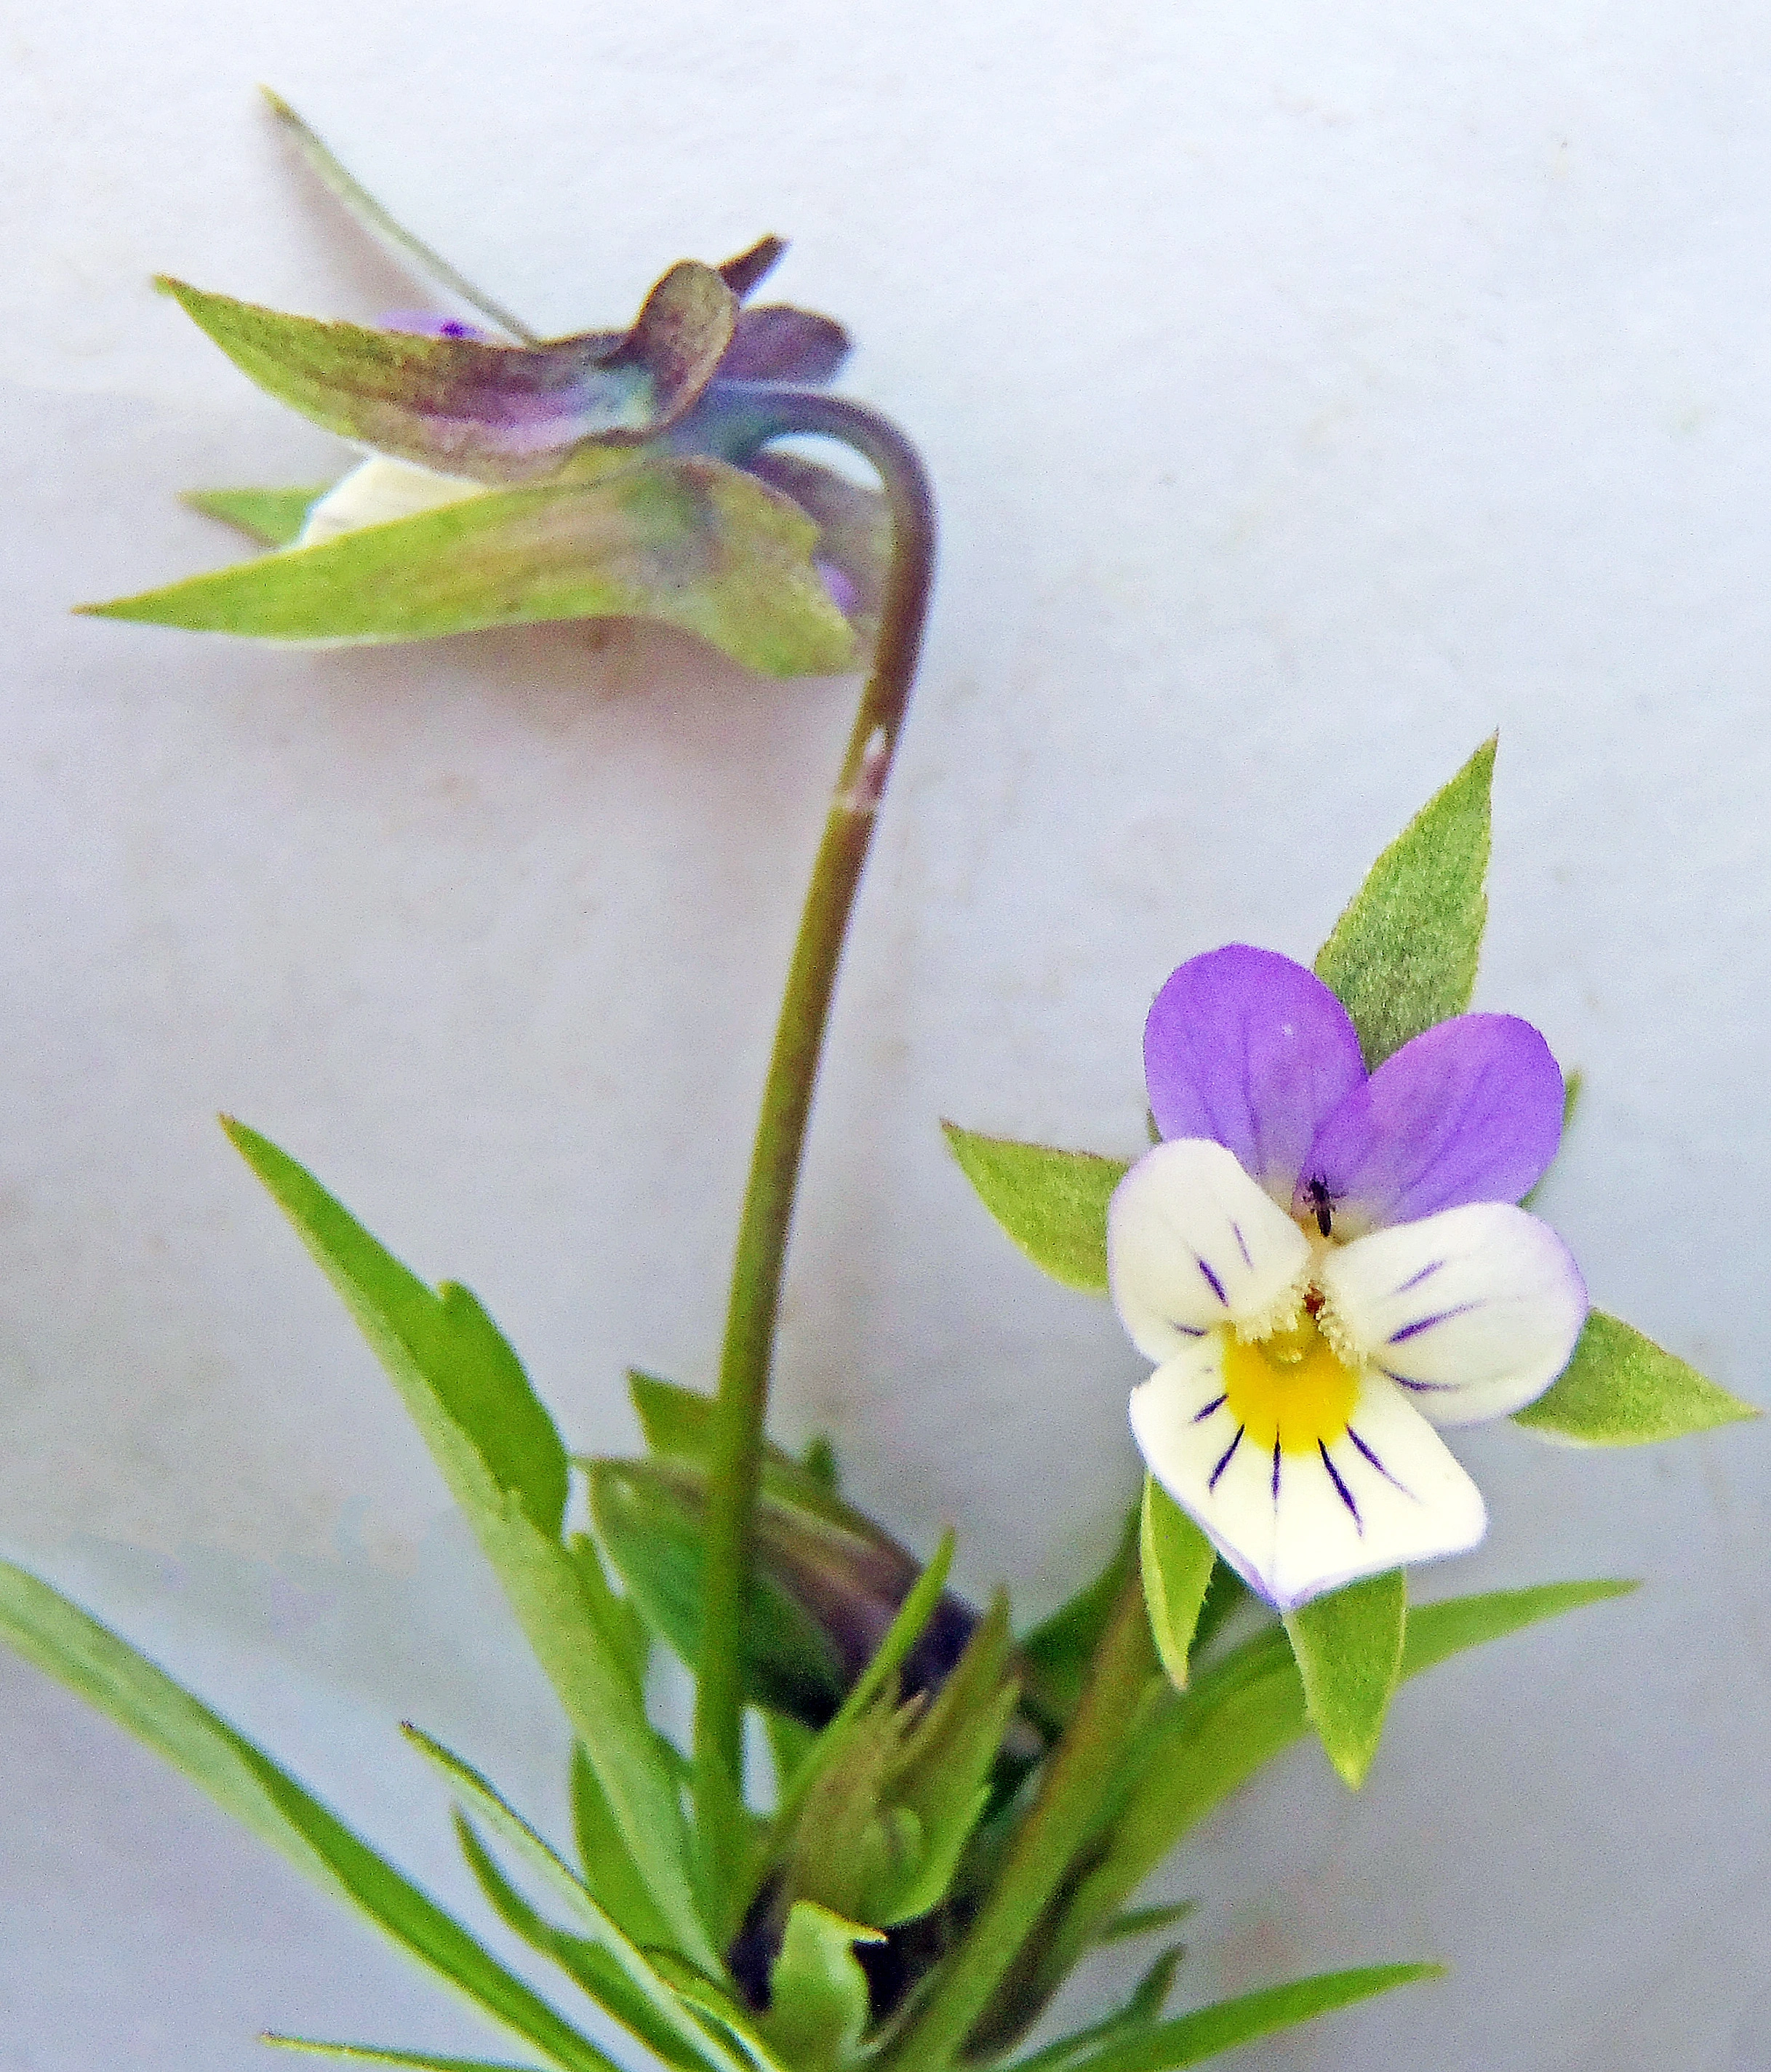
(777, 343)
(1248, 1049)
(1471, 1111)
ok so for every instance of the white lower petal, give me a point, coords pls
(1386, 1493)
(378, 492)
(1192, 1242)
(1474, 1311)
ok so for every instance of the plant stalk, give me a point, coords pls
(754, 1306)
(1075, 1782)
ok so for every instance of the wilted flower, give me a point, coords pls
(1326, 1266)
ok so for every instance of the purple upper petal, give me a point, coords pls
(1248, 1049)
(1470, 1110)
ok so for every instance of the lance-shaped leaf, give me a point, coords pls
(1058, 1651)
(98, 1665)
(1190, 2039)
(1139, 2014)
(1404, 955)
(466, 1390)
(1348, 1645)
(367, 2053)
(1176, 1560)
(1052, 1203)
(499, 412)
(1621, 1389)
(694, 543)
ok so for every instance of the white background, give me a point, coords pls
(1310, 391)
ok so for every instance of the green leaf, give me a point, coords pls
(626, 1982)
(1348, 1645)
(610, 1871)
(273, 517)
(1621, 1389)
(497, 1450)
(694, 544)
(1052, 1203)
(364, 2053)
(105, 1670)
(592, 1969)
(1058, 1651)
(1402, 956)
(1138, 2015)
(818, 2005)
(680, 1421)
(1241, 1711)
(498, 412)
(1191, 2038)
(1146, 1921)
(1176, 1559)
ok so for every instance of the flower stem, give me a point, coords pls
(1121, 1677)
(754, 1307)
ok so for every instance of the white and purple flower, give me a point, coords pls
(1327, 1265)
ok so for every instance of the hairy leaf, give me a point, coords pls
(1402, 956)
(1052, 1203)
(1176, 1560)
(1347, 1646)
(1621, 1389)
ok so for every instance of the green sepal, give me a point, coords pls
(1052, 1203)
(1348, 1645)
(1190, 2039)
(1404, 955)
(1621, 1389)
(499, 1452)
(464, 406)
(99, 1666)
(693, 543)
(818, 2003)
(1176, 1560)
(272, 517)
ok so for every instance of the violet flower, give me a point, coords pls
(1326, 1266)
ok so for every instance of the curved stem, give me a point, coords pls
(754, 1307)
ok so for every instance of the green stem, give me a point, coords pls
(754, 1304)
(1073, 1786)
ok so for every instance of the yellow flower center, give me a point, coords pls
(1290, 1387)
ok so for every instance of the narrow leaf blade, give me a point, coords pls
(1621, 1389)
(366, 2054)
(1052, 1203)
(1404, 955)
(440, 1351)
(1176, 1559)
(105, 1669)
(1191, 2038)
(1348, 1645)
